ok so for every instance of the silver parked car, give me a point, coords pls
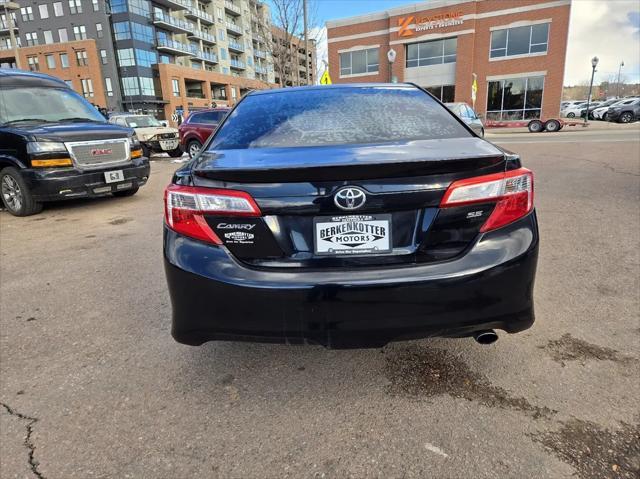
(466, 113)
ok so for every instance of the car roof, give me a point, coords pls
(337, 86)
(11, 77)
(206, 110)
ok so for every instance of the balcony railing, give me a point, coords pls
(232, 8)
(260, 53)
(237, 64)
(197, 13)
(175, 4)
(260, 69)
(172, 23)
(175, 46)
(204, 36)
(206, 56)
(232, 27)
(237, 46)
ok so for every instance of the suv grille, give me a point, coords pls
(101, 153)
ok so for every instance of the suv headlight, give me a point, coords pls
(134, 142)
(38, 147)
(48, 154)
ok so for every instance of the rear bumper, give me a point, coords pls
(50, 184)
(216, 298)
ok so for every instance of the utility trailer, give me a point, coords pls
(535, 126)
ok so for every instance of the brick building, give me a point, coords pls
(77, 63)
(514, 48)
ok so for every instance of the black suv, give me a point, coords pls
(625, 111)
(54, 145)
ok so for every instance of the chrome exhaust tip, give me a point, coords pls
(485, 337)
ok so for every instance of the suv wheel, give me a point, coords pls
(626, 117)
(146, 152)
(571, 115)
(16, 196)
(193, 148)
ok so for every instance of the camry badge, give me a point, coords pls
(350, 198)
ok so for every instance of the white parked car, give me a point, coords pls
(574, 111)
(153, 135)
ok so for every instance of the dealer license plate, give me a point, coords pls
(352, 235)
(113, 176)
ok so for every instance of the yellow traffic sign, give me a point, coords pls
(326, 79)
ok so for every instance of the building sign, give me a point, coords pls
(428, 22)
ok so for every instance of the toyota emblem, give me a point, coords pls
(350, 198)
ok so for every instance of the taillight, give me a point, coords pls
(512, 191)
(185, 207)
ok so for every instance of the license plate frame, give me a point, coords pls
(352, 241)
(165, 145)
(113, 176)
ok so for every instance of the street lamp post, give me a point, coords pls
(594, 64)
(618, 84)
(9, 7)
(391, 56)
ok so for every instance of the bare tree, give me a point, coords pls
(287, 23)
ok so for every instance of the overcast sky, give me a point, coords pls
(609, 29)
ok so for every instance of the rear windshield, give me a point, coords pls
(335, 116)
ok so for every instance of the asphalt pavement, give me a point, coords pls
(93, 386)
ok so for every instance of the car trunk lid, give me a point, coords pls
(403, 184)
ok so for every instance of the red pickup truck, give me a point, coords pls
(198, 127)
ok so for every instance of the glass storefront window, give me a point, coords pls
(435, 52)
(515, 98)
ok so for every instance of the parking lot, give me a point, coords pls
(93, 385)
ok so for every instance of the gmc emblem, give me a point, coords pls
(101, 151)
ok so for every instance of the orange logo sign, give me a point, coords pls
(404, 23)
(428, 22)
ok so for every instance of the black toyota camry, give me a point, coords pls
(349, 216)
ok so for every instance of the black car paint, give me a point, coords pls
(46, 183)
(444, 279)
(490, 287)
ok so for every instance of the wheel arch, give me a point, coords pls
(6, 160)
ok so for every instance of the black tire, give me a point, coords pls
(193, 147)
(16, 195)
(626, 117)
(125, 193)
(605, 117)
(552, 126)
(177, 153)
(535, 126)
(571, 115)
(146, 151)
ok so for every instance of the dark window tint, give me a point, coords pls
(335, 116)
